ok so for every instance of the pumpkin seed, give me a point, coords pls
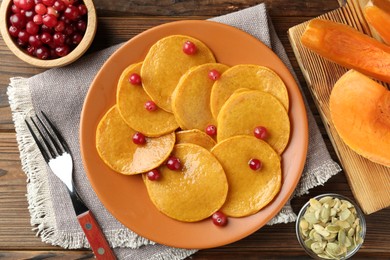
(330, 227)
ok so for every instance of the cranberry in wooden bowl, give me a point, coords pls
(48, 33)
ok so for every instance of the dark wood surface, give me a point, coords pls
(119, 21)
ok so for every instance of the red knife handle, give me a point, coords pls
(95, 236)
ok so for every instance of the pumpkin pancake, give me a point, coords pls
(246, 110)
(116, 148)
(131, 101)
(166, 62)
(191, 98)
(195, 136)
(249, 190)
(247, 76)
(195, 192)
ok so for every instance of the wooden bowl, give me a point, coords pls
(81, 48)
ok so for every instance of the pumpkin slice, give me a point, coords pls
(249, 190)
(382, 4)
(360, 111)
(166, 62)
(380, 20)
(348, 47)
(193, 193)
(195, 136)
(191, 98)
(253, 77)
(244, 111)
(131, 101)
(116, 148)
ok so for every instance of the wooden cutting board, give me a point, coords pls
(369, 182)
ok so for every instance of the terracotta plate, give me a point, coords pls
(126, 196)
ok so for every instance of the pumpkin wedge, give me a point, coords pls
(360, 111)
(379, 20)
(382, 4)
(348, 47)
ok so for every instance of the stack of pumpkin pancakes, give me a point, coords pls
(214, 173)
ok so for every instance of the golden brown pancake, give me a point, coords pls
(191, 98)
(130, 102)
(116, 148)
(246, 110)
(166, 62)
(195, 192)
(247, 76)
(249, 190)
(195, 136)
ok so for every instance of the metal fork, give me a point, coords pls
(56, 153)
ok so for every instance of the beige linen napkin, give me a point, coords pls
(60, 93)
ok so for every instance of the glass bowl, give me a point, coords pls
(321, 223)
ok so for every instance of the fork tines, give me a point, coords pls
(49, 140)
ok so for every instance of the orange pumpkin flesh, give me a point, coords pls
(360, 111)
(380, 20)
(346, 46)
(382, 4)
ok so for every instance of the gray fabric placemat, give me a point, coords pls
(60, 93)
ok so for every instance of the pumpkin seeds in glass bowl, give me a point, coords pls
(330, 226)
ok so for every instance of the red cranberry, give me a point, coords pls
(46, 37)
(69, 29)
(32, 28)
(260, 132)
(219, 219)
(18, 20)
(81, 26)
(13, 31)
(48, 2)
(71, 12)
(153, 175)
(40, 9)
(139, 138)
(59, 5)
(82, 9)
(62, 50)
(23, 36)
(15, 9)
(60, 26)
(52, 11)
(25, 4)
(76, 38)
(150, 106)
(20, 43)
(135, 79)
(59, 38)
(189, 48)
(255, 164)
(29, 15)
(174, 163)
(49, 20)
(68, 2)
(35, 41)
(211, 130)
(42, 53)
(38, 19)
(214, 74)
(44, 28)
(31, 50)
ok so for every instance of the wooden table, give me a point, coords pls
(119, 21)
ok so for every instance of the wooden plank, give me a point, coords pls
(368, 181)
(209, 8)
